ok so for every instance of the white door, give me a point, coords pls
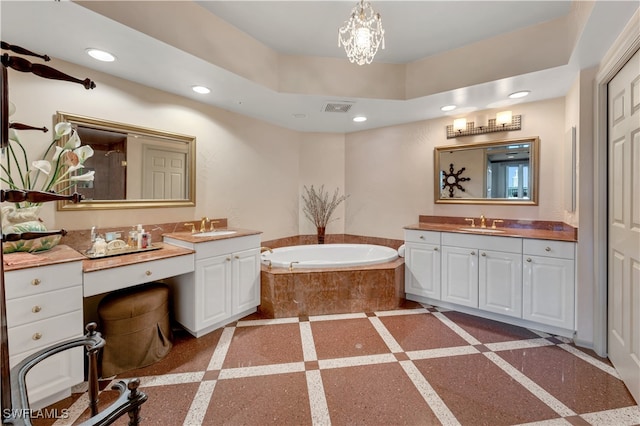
(164, 174)
(460, 276)
(245, 280)
(422, 270)
(500, 282)
(623, 250)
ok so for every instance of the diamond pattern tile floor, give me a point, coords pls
(408, 367)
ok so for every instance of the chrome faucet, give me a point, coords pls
(483, 224)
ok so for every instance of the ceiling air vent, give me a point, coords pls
(337, 107)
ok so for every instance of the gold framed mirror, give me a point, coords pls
(135, 167)
(497, 172)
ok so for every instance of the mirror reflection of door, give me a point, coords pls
(109, 162)
(164, 174)
(508, 172)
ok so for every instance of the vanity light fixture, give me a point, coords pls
(361, 34)
(100, 55)
(520, 94)
(201, 89)
(505, 121)
(359, 119)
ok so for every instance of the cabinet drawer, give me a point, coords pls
(111, 279)
(415, 236)
(27, 282)
(43, 305)
(561, 249)
(35, 335)
(506, 244)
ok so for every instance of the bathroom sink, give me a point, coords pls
(214, 233)
(483, 230)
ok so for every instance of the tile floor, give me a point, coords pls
(419, 366)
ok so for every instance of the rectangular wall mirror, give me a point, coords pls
(498, 172)
(135, 167)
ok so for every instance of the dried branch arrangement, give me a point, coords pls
(318, 208)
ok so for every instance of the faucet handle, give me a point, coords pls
(493, 225)
(473, 222)
(211, 222)
(193, 227)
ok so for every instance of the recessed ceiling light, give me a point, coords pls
(359, 119)
(520, 94)
(447, 108)
(300, 115)
(201, 89)
(100, 55)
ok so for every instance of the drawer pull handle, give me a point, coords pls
(35, 281)
(148, 273)
(473, 253)
(228, 259)
(483, 254)
(547, 249)
(36, 309)
(237, 257)
(36, 336)
(528, 259)
(422, 237)
(435, 249)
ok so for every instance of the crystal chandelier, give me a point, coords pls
(362, 34)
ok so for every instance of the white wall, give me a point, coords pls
(389, 171)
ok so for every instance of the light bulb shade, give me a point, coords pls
(362, 34)
(503, 118)
(459, 124)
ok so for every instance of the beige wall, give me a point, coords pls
(389, 172)
(253, 172)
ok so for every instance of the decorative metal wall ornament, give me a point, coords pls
(452, 180)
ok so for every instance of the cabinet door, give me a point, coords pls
(500, 282)
(213, 296)
(460, 276)
(246, 280)
(548, 286)
(422, 270)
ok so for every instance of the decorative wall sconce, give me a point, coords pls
(503, 122)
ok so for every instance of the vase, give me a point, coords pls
(321, 234)
(19, 220)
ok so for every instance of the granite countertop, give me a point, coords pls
(193, 238)
(542, 230)
(166, 251)
(58, 254)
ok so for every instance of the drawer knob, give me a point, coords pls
(147, 273)
(473, 253)
(237, 257)
(35, 281)
(228, 259)
(36, 336)
(422, 237)
(435, 249)
(483, 254)
(528, 259)
(36, 309)
(547, 249)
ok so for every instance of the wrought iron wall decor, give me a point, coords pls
(452, 180)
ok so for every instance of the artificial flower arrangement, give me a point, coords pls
(60, 173)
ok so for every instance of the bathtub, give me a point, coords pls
(328, 256)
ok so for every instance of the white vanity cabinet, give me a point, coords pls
(224, 287)
(549, 282)
(44, 307)
(422, 263)
(483, 272)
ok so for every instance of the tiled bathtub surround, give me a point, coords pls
(420, 366)
(334, 291)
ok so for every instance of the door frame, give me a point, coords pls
(625, 46)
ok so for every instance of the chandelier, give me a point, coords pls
(362, 34)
